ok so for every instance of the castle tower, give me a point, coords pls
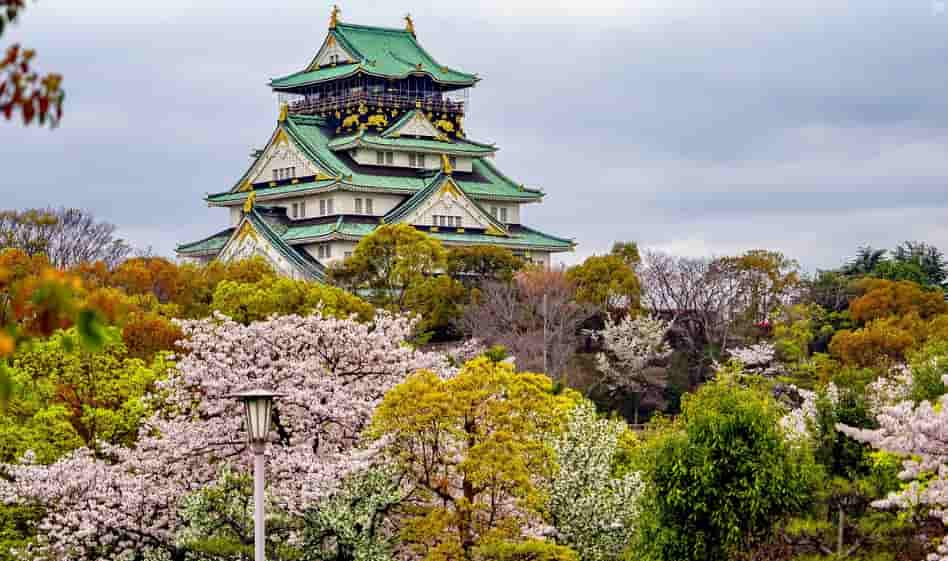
(370, 132)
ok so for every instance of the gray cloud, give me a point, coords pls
(694, 126)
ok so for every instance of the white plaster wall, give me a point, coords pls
(282, 155)
(236, 213)
(337, 250)
(367, 157)
(513, 210)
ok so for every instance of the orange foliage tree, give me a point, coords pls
(22, 89)
(882, 298)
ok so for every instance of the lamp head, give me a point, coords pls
(258, 406)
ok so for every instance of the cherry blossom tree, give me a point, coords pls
(631, 345)
(114, 502)
(919, 433)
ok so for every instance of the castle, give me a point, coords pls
(371, 132)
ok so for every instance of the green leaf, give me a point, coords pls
(91, 330)
(6, 384)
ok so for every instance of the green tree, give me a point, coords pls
(720, 476)
(608, 282)
(475, 264)
(66, 397)
(437, 302)
(248, 302)
(388, 262)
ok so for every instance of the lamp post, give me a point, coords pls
(258, 405)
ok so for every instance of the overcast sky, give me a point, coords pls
(702, 127)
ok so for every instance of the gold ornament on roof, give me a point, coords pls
(409, 24)
(334, 17)
(284, 109)
(446, 165)
(248, 204)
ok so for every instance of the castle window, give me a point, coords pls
(322, 207)
(358, 206)
(454, 161)
(434, 219)
(368, 206)
(390, 158)
(493, 211)
(302, 209)
(329, 206)
(416, 160)
(457, 221)
(503, 214)
(380, 158)
(296, 210)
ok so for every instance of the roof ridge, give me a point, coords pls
(372, 27)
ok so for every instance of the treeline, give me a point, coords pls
(784, 409)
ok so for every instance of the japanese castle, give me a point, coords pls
(371, 132)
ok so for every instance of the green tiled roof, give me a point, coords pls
(210, 244)
(313, 136)
(273, 231)
(381, 51)
(404, 209)
(458, 147)
(520, 237)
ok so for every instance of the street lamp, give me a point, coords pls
(258, 405)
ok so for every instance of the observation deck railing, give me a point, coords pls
(351, 100)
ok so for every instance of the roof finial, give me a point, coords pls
(409, 25)
(248, 204)
(284, 109)
(334, 17)
(446, 165)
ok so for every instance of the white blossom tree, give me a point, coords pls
(589, 509)
(115, 502)
(630, 346)
(919, 433)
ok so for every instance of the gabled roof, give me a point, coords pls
(210, 245)
(459, 147)
(271, 224)
(439, 182)
(354, 228)
(313, 135)
(396, 128)
(381, 51)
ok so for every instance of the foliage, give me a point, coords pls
(916, 433)
(608, 282)
(147, 334)
(884, 298)
(527, 550)
(66, 397)
(885, 342)
(22, 89)
(438, 302)
(389, 261)
(592, 511)
(355, 523)
(248, 302)
(124, 500)
(470, 447)
(479, 263)
(630, 346)
(720, 476)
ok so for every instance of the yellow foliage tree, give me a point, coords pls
(471, 446)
